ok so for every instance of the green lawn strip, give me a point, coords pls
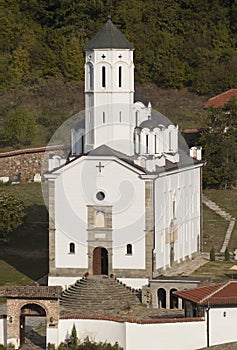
(214, 230)
(26, 253)
(11, 276)
(217, 270)
(226, 199)
(233, 239)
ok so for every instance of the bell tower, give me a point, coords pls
(109, 90)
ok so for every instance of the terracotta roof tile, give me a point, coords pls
(217, 294)
(52, 292)
(221, 99)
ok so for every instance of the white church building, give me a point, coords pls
(127, 201)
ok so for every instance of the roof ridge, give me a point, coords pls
(222, 285)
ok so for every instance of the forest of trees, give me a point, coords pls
(179, 43)
(187, 45)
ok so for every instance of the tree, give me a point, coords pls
(219, 142)
(227, 254)
(212, 254)
(12, 213)
(73, 340)
(20, 126)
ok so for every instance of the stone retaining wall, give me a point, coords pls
(27, 163)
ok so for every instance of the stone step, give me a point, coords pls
(228, 235)
(100, 295)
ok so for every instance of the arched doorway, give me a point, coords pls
(174, 300)
(100, 261)
(161, 293)
(33, 325)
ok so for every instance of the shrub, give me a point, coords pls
(227, 254)
(212, 254)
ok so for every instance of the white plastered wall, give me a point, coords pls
(3, 330)
(183, 187)
(222, 325)
(133, 336)
(96, 330)
(76, 187)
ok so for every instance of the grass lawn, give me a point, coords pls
(25, 258)
(226, 199)
(217, 270)
(214, 230)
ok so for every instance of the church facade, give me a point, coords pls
(127, 201)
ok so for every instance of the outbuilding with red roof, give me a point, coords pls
(221, 100)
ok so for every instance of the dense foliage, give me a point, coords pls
(219, 142)
(20, 126)
(12, 213)
(178, 42)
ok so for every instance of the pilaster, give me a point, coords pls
(149, 227)
(51, 206)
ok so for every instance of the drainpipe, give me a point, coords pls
(208, 326)
(154, 228)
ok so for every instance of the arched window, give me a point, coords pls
(161, 294)
(103, 117)
(147, 144)
(91, 76)
(72, 248)
(120, 76)
(99, 218)
(103, 77)
(173, 209)
(129, 249)
(120, 117)
(137, 118)
(155, 144)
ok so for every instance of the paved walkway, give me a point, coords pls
(221, 212)
(227, 346)
(187, 267)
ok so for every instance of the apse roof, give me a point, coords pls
(109, 37)
(155, 121)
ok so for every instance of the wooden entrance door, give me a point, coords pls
(100, 261)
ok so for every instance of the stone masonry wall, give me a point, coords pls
(27, 162)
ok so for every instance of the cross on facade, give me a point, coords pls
(100, 166)
(103, 56)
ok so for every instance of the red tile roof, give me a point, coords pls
(217, 294)
(130, 319)
(222, 99)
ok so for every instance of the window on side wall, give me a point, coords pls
(71, 248)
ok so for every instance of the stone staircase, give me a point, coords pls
(99, 295)
(213, 206)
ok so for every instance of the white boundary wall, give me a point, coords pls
(133, 336)
(3, 330)
(222, 325)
